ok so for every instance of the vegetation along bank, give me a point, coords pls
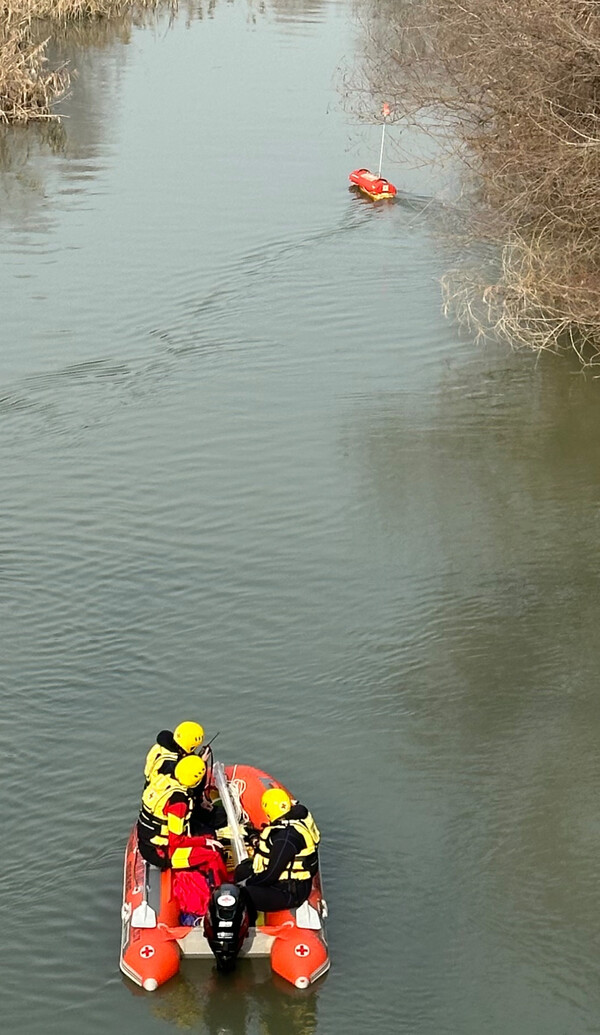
(28, 88)
(512, 87)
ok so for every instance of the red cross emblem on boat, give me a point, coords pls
(147, 951)
(302, 949)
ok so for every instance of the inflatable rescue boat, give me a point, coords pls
(153, 939)
(376, 187)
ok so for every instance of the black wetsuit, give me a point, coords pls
(265, 890)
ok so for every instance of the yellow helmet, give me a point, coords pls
(190, 770)
(276, 802)
(189, 735)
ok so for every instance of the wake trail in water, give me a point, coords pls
(52, 401)
(228, 294)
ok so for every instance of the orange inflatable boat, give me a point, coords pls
(375, 187)
(152, 938)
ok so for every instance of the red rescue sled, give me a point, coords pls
(375, 187)
(153, 940)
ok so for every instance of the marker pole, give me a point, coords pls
(381, 151)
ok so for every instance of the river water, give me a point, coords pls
(251, 476)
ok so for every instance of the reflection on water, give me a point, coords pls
(491, 495)
(20, 145)
(297, 13)
(247, 1001)
(22, 152)
(95, 52)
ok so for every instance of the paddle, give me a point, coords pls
(144, 915)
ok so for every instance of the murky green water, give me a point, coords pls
(251, 476)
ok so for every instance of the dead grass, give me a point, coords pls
(28, 88)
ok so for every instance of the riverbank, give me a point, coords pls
(28, 87)
(512, 88)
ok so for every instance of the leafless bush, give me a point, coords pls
(514, 87)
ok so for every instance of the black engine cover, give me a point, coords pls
(226, 924)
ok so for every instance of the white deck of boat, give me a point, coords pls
(257, 943)
(195, 944)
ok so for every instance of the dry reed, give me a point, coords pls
(28, 88)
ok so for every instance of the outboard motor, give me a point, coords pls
(226, 924)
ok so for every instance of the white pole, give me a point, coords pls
(237, 839)
(381, 152)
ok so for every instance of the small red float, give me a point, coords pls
(375, 186)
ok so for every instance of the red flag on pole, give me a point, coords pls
(386, 109)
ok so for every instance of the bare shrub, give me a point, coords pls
(514, 87)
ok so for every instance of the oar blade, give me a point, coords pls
(143, 916)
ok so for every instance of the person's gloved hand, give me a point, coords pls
(251, 836)
(242, 871)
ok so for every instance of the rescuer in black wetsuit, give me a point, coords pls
(280, 874)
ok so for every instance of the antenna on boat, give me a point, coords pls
(385, 112)
(206, 747)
